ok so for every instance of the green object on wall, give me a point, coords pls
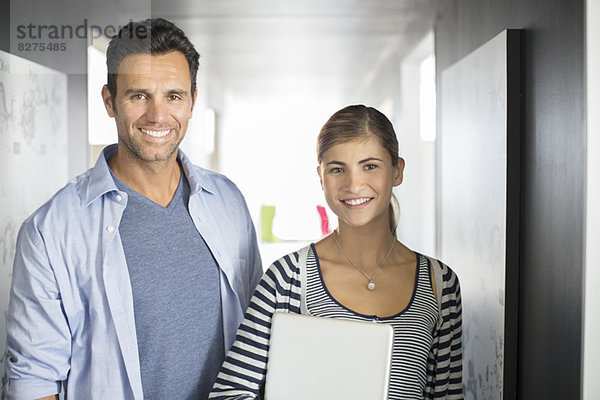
(267, 215)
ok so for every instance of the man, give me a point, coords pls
(131, 281)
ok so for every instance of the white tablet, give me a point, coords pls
(325, 359)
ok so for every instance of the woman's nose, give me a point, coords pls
(354, 182)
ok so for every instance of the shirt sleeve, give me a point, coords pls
(38, 337)
(243, 372)
(444, 365)
(254, 262)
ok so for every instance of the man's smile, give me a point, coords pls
(157, 134)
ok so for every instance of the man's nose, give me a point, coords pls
(156, 111)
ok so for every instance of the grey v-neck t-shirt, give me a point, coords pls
(176, 296)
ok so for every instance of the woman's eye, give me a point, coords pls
(335, 170)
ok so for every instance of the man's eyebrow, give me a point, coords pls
(180, 92)
(135, 91)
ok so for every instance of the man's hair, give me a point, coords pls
(154, 36)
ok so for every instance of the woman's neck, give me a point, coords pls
(366, 245)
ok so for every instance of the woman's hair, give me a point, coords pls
(358, 122)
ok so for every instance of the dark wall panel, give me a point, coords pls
(552, 176)
(5, 25)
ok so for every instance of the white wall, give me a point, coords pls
(267, 148)
(416, 195)
(33, 139)
(591, 316)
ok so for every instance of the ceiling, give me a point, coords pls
(270, 45)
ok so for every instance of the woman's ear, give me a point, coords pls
(399, 172)
(320, 177)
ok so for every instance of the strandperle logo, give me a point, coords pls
(82, 31)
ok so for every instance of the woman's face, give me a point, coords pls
(357, 178)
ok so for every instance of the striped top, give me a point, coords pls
(427, 354)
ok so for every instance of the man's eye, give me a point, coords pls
(174, 97)
(138, 96)
(370, 166)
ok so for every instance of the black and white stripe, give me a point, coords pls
(427, 357)
(413, 327)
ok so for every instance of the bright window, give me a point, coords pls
(427, 106)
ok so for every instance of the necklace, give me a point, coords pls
(371, 284)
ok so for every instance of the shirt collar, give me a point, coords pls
(99, 180)
(198, 178)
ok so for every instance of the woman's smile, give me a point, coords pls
(357, 202)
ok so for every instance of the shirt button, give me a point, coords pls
(118, 197)
(110, 228)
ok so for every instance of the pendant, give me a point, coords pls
(371, 286)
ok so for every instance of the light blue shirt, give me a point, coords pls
(70, 315)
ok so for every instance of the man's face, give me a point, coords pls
(152, 106)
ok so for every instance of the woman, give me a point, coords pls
(360, 272)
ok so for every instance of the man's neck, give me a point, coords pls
(158, 181)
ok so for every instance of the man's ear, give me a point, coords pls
(108, 102)
(194, 97)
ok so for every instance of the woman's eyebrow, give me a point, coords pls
(370, 159)
(334, 162)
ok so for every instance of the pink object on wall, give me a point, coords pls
(324, 220)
